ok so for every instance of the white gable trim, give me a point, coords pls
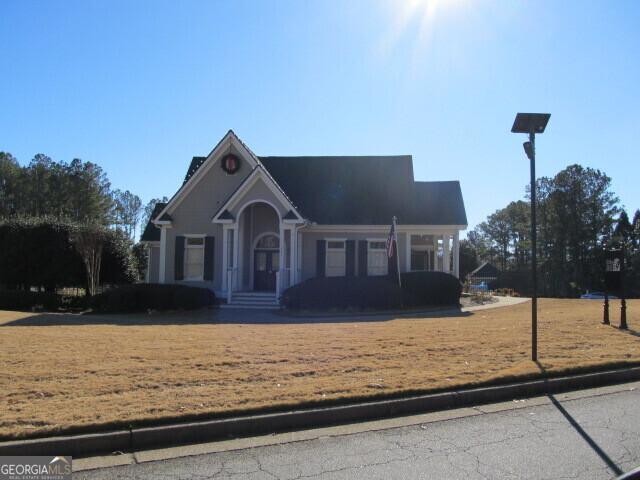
(258, 173)
(230, 139)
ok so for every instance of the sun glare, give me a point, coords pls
(417, 16)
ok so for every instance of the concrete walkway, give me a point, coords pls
(275, 317)
(502, 302)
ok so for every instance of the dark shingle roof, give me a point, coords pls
(151, 233)
(485, 270)
(365, 191)
(196, 163)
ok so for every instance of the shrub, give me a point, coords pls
(419, 289)
(143, 297)
(38, 252)
(342, 292)
(25, 300)
(430, 288)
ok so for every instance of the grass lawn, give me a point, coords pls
(67, 372)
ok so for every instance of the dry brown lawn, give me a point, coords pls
(62, 373)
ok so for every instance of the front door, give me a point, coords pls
(265, 265)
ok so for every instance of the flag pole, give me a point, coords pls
(395, 239)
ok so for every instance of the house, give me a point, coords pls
(485, 272)
(249, 227)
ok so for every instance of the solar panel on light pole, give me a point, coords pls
(532, 123)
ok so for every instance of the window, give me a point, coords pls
(377, 259)
(268, 242)
(194, 258)
(422, 252)
(335, 258)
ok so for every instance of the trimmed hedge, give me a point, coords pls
(430, 288)
(322, 293)
(419, 289)
(39, 252)
(148, 296)
(26, 300)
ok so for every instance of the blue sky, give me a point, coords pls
(141, 86)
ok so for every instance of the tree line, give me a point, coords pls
(72, 191)
(579, 217)
(56, 215)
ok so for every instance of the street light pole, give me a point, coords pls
(534, 253)
(532, 123)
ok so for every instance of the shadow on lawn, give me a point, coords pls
(217, 317)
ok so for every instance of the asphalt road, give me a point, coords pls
(584, 438)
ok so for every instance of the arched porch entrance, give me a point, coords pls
(258, 250)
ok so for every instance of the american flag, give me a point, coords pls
(392, 248)
(392, 240)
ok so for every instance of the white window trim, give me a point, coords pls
(326, 255)
(187, 236)
(369, 250)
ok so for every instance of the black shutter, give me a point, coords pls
(362, 258)
(351, 258)
(209, 257)
(178, 267)
(321, 253)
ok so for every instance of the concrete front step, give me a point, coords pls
(252, 306)
(254, 294)
(264, 300)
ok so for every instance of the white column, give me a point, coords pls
(225, 256)
(408, 252)
(241, 258)
(456, 254)
(163, 255)
(298, 257)
(236, 257)
(292, 256)
(446, 265)
(146, 274)
(282, 251)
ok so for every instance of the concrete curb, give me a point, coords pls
(204, 431)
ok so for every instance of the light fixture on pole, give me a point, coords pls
(532, 123)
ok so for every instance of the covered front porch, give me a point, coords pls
(259, 252)
(259, 241)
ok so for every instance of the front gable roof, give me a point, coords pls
(258, 173)
(199, 167)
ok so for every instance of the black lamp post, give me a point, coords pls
(532, 123)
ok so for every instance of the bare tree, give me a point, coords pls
(89, 241)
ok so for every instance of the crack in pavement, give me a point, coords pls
(532, 442)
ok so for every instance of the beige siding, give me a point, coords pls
(154, 264)
(193, 216)
(309, 247)
(258, 191)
